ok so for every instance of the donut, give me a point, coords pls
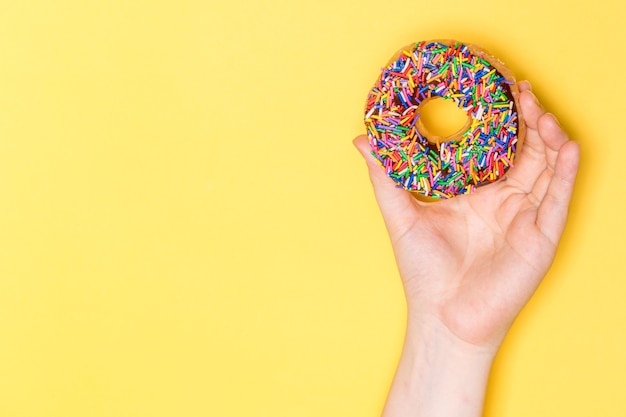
(432, 166)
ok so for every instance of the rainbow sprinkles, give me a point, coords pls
(480, 154)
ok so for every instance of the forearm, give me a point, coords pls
(438, 376)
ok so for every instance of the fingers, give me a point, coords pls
(551, 132)
(552, 213)
(530, 160)
(531, 108)
(544, 137)
(396, 204)
(553, 138)
(543, 128)
(548, 164)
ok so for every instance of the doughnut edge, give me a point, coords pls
(504, 71)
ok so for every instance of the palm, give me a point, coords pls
(474, 261)
(471, 257)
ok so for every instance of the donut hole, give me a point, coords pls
(441, 120)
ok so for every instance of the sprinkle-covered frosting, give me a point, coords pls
(481, 153)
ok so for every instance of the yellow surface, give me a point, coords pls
(186, 230)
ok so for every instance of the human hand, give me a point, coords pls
(469, 265)
(472, 262)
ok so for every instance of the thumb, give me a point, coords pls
(395, 203)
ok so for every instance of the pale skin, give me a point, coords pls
(469, 265)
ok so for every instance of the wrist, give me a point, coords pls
(460, 324)
(431, 333)
(438, 374)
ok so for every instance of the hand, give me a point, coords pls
(469, 264)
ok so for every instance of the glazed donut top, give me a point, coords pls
(480, 153)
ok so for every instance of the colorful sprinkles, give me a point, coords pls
(449, 70)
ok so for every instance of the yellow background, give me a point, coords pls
(186, 230)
